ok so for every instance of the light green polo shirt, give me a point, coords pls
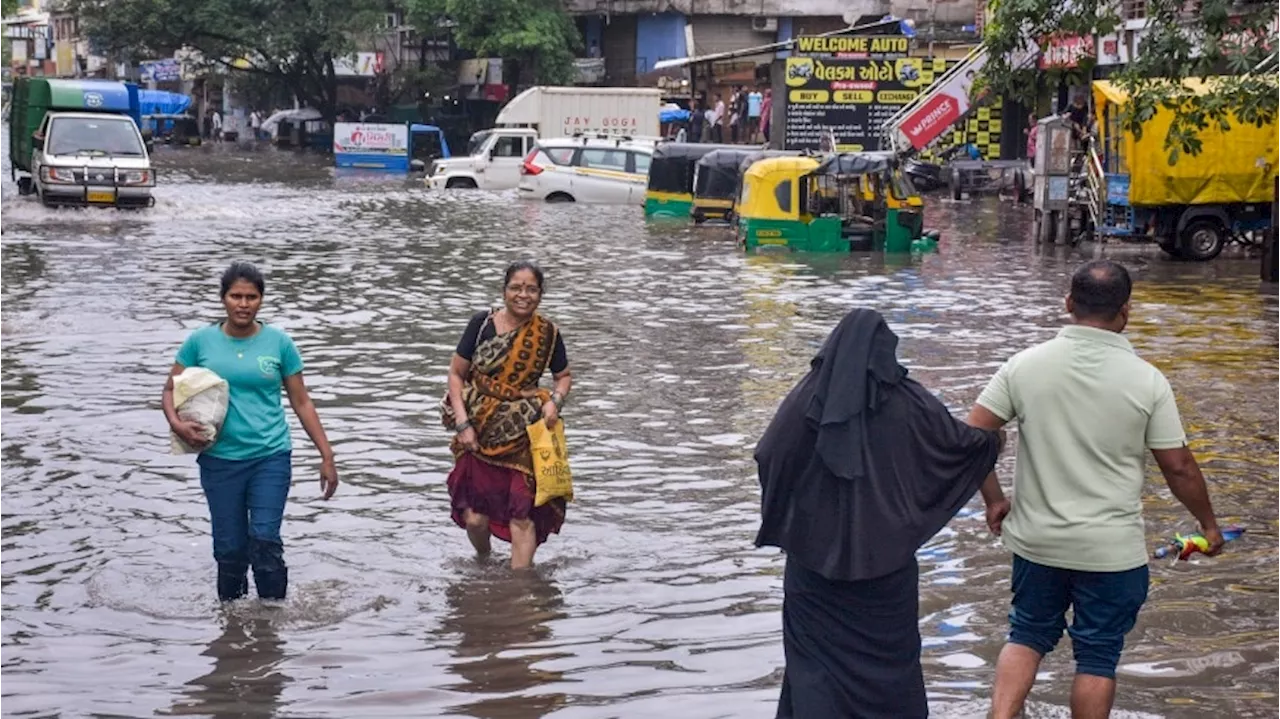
(1088, 409)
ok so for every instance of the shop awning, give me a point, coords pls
(906, 26)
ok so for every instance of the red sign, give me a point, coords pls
(930, 119)
(1066, 51)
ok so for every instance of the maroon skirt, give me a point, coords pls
(501, 494)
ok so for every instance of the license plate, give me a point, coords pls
(101, 196)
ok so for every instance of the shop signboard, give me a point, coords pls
(371, 145)
(849, 86)
(361, 64)
(164, 70)
(1066, 51)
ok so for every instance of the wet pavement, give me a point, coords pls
(653, 601)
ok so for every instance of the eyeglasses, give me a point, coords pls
(531, 290)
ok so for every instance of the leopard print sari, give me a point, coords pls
(502, 393)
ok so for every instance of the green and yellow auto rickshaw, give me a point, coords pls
(845, 202)
(716, 177)
(745, 165)
(671, 170)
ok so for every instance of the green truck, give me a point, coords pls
(79, 142)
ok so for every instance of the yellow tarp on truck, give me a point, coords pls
(1234, 166)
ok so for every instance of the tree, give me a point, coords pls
(1183, 39)
(537, 36)
(291, 42)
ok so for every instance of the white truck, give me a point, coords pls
(494, 156)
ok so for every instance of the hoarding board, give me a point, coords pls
(371, 145)
(852, 98)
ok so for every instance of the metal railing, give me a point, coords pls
(1095, 186)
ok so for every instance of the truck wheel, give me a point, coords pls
(1202, 240)
(460, 183)
(1271, 258)
(957, 193)
(1019, 187)
(1170, 248)
(25, 186)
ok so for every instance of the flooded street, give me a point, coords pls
(653, 601)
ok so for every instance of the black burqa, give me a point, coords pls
(860, 466)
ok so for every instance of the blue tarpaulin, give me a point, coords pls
(676, 115)
(159, 102)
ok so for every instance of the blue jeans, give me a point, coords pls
(246, 505)
(1105, 607)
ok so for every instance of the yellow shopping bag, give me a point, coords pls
(550, 462)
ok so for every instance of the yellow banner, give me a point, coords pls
(809, 97)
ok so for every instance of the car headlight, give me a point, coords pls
(143, 178)
(64, 175)
(440, 169)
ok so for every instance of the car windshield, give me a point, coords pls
(477, 141)
(93, 136)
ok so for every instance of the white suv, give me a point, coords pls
(595, 170)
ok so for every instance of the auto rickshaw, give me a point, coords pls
(745, 165)
(848, 201)
(715, 182)
(670, 192)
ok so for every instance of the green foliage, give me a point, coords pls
(538, 34)
(1184, 39)
(292, 42)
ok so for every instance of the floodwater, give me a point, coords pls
(653, 601)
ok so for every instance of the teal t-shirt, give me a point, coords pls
(254, 368)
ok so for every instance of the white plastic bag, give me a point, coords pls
(200, 396)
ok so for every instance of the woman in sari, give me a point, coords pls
(493, 396)
(859, 468)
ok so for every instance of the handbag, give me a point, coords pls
(551, 474)
(447, 416)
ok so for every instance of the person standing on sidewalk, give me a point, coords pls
(1087, 408)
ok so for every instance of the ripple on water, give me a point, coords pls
(653, 597)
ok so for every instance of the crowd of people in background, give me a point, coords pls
(744, 119)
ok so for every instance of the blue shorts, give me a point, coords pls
(1104, 604)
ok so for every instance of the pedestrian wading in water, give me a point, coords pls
(246, 472)
(493, 396)
(858, 469)
(1088, 409)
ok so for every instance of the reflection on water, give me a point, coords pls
(499, 620)
(652, 602)
(245, 673)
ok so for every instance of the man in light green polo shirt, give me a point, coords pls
(1088, 409)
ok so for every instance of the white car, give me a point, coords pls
(600, 171)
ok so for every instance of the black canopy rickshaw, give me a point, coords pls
(715, 183)
(671, 170)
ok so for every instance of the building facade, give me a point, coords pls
(632, 36)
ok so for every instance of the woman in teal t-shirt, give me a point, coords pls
(247, 471)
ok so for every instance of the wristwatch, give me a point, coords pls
(557, 399)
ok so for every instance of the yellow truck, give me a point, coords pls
(1195, 206)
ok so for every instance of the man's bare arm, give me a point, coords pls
(1182, 473)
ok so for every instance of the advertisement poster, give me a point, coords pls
(359, 138)
(362, 64)
(165, 70)
(949, 103)
(851, 97)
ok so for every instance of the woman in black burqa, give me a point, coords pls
(859, 468)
